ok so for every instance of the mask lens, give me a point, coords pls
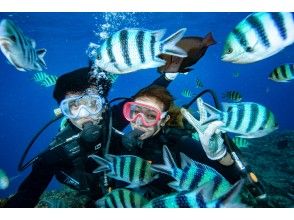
(148, 114)
(72, 107)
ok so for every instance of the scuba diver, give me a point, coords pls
(88, 132)
(156, 121)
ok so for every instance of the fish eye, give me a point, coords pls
(13, 38)
(229, 50)
(249, 49)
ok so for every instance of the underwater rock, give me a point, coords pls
(271, 158)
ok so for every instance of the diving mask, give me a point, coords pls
(82, 106)
(147, 115)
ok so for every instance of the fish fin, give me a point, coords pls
(161, 169)
(41, 53)
(158, 34)
(169, 44)
(154, 64)
(168, 159)
(185, 160)
(206, 190)
(208, 40)
(100, 203)
(20, 69)
(101, 169)
(33, 42)
(105, 164)
(133, 185)
(230, 198)
(175, 185)
(110, 157)
(214, 113)
(169, 163)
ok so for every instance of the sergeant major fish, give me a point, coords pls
(191, 175)
(129, 50)
(258, 36)
(200, 198)
(283, 73)
(127, 168)
(19, 49)
(249, 119)
(122, 198)
(233, 96)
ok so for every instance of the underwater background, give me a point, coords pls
(26, 105)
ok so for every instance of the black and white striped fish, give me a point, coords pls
(258, 36)
(249, 119)
(283, 73)
(191, 175)
(127, 168)
(233, 96)
(20, 50)
(200, 198)
(122, 198)
(129, 50)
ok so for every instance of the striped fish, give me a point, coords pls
(249, 119)
(283, 73)
(122, 198)
(129, 50)
(233, 96)
(45, 79)
(127, 168)
(200, 198)
(20, 50)
(258, 36)
(187, 93)
(191, 175)
(241, 142)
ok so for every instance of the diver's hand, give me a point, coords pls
(211, 141)
(209, 134)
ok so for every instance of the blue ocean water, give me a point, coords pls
(26, 106)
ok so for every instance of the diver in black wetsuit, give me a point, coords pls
(87, 133)
(155, 122)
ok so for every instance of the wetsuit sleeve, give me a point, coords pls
(119, 122)
(194, 150)
(36, 182)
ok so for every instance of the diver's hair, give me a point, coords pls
(163, 95)
(78, 81)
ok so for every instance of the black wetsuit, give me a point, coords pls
(69, 162)
(71, 166)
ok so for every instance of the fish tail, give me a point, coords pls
(41, 53)
(169, 166)
(105, 165)
(169, 44)
(209, 40)
(230, 198)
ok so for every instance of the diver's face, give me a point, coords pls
(83, 110)
(149, 131)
